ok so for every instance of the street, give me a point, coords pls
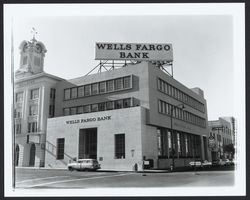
(52, 178)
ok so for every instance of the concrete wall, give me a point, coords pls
(158, 119)
(126, 121)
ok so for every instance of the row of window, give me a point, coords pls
(182, 145)
(223, 129)
(32, 127)
(17, 128)
(170, 90)
(34, 94)
(109, 105)
(119, 147)
(166, 108)
(98, 88)
(220, 138)
(226, 141)
(33, 110)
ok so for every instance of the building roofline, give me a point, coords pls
(42, 74)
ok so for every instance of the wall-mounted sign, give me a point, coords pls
(211, 142)
(134, 51)
(91, 119)
(34, 139)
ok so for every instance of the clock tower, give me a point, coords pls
(32, 58)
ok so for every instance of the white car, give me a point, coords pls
(84, 164)
(205, 163)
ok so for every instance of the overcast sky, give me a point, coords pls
(202, 47)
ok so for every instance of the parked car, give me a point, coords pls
(228, 162)
(222, 162)
(84, 164)
(204, 163)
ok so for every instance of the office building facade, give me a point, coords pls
(119, 117)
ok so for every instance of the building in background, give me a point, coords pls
(223, 132)
(34, 103)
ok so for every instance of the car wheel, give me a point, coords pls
(70, 169)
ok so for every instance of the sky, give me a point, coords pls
(202, 47)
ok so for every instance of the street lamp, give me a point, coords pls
(181, 106)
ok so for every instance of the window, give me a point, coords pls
(110, 85)
(118, 84)
(86, 109)
(17, 128)
(94, 107)
(127, 103)
(19, 97)
(32, 127)
(34, 94)
(37, 61)
(73, 110)
(101, 106)
(87, 89)
(94, 88)
(178, 143)
(118, 104)
(52, 93)
(79, 110)
(51, 110)
(186, 145)
(120, 146)
(66, 111)
(73, 93)
(162, 86)
(33, 110)
(127, 82)
(110, 105)
(18, 113)
(60, 148)
(81, 91)
(66, 94)
(102, 87)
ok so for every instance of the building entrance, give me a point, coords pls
(88, 143)
(32, 155)
(16, 155)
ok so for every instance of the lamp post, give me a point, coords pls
(172, 134)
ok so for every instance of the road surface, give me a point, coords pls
(51, 178)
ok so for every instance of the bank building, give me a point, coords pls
(119, 115)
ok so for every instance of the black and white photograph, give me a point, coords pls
(124, 99)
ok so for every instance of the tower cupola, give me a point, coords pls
(32, 57)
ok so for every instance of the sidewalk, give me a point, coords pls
(100, 170)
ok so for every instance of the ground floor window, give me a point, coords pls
(60, 148)
(119, 146)
(178, 144)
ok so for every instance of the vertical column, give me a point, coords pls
(41, 109)
(202, 148)
(25, 110)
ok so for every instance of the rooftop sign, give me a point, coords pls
(134, 51)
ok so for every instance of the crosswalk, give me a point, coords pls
(56, 181)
